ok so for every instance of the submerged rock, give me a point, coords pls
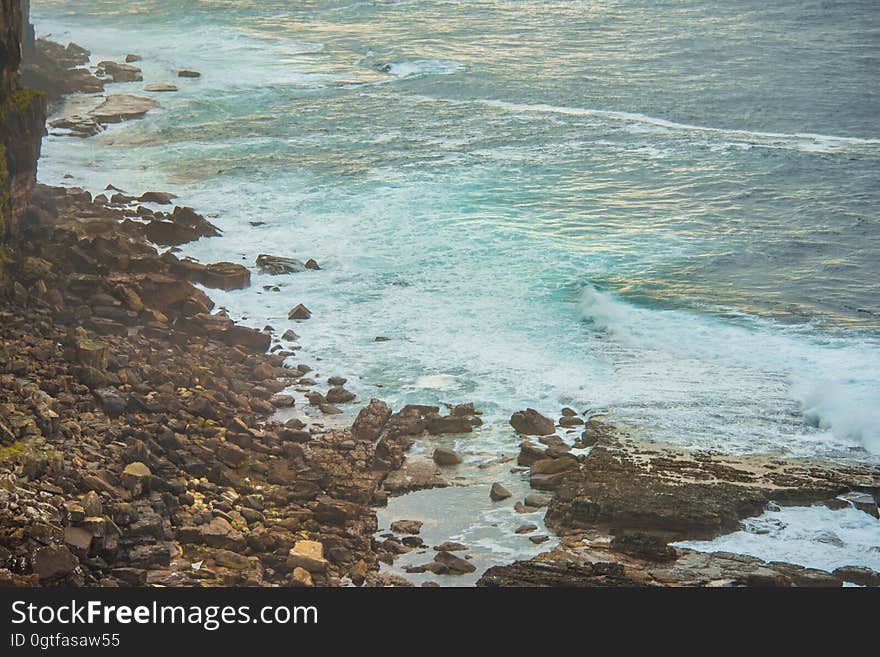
(276, 265)
(122, 107)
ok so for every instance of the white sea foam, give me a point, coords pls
(802, 141)
(834, 383)
(813, 536)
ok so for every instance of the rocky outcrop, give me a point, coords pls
(22, 121)
(137, 443)
(625, 485)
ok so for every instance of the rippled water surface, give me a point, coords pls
(666, 212)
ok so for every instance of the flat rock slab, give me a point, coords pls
(122, 107)
(417, 473)
(625, 485)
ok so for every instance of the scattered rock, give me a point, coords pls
(186, 73)
(53, 562)
(136, 478)
(526, 529)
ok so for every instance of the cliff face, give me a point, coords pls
(22, 122)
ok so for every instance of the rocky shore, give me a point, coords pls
(618, 507)
(148, 439)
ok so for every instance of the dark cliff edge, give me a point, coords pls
(22, 123)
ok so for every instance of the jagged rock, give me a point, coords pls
(861, 501)
(531, 423)
(136, 478)
(339, 395)
(499, 492)
(299, 312)
(276, 265)
(371, 421)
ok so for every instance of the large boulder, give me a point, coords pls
(531, 423)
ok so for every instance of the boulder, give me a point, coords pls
(499, 492)
(122, 107)
(53, 562)
(339, 395)
(443, 456)
(454, 565)
(308, 555)
(406, 526)
(299, 312)
(371, 421)
(187, 73)
(531, 423)
(218, 533)
(276, 265)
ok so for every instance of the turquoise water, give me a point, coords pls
(664, 212)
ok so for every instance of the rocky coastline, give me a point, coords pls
(141, 442)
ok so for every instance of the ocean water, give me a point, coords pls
(661, 212)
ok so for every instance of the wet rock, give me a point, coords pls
(526, 529)
(160, 87)
(643, 546)
(339, 395)
(311, 264)
(122, 107)
(858, 575)
(448, 424)
(626, 486)
(371, 421)
(417, 473)
(299, 312)
(187, 73)
(119, 72)
(281, 401)
(406, 526)
(537, 540)
(531, 423)
(499, 492)
(276, 265)
(450, 546)
(445, 457)
(861, 501)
